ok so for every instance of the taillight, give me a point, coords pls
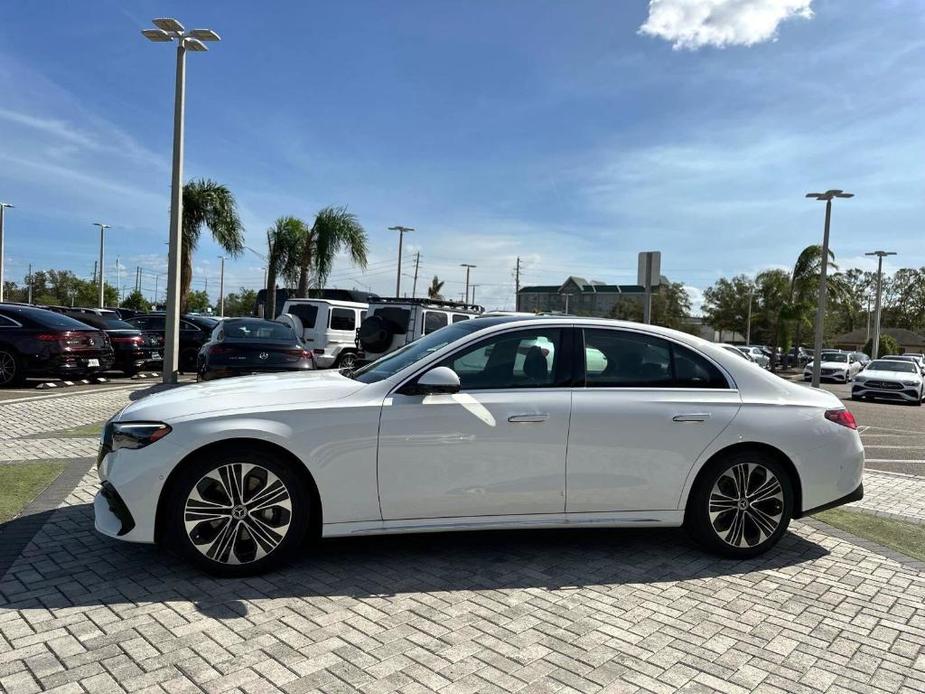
(843, 417)
(221, 349)
(319, 351)
(50, 337)
(134, 340)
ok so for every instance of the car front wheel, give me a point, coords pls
(10, 369)
(237, 512)
(742, 505)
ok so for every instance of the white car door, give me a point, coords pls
(648, 409)
(495, 448)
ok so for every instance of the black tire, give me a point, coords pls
(255, 543)
(856, 397)
(375, 334)
(188, 360)
(11, 369)
(346, 360)
(736, 531)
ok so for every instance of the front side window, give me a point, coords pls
(623, 359)
(522, 359)
(434, 320)
(459, 317)
(343, 319)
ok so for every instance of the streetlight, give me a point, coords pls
(401, 235)
(474, 286)
(875, 347)
(468, 268)
(820, 308)
(748, 321)
(103, 227)
(221, 288)
(3, 206)
(171, 30)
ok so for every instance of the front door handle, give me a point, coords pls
(693, 417)
(527, 418)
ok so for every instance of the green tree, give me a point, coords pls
(283, 253)
(671, 306)
(888, 345)
(136, 301)
(334, 230)
(725, 304)
(436, 286)
(240, 303)
(198, 302)
(207, 204)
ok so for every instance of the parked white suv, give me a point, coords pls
(328, 327)
(393, 323)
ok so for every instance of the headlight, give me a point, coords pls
(910, 383)
(860, 379)
(137, 434)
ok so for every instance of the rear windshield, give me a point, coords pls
(886, 365)
(256, 329)
(50, 319)
(307, 313)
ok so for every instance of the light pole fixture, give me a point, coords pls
(101, 278)
(3, 206)
(401, 235)
(167, 30)
(820, 307)
(221, 288)
(468, 268)
(875, 346)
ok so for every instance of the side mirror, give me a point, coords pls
(440, 379)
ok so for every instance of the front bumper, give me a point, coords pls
(906, 394)
(112, 516)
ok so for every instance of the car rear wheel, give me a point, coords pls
(346, 360)
(741, 505)
(11, 371)
(237, 512)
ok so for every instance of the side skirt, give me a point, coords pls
(633, 519)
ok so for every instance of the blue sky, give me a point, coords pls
(554, 131)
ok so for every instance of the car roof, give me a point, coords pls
(331, 302)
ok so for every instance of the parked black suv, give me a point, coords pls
(37, 342)
(194, 333)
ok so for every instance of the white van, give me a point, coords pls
(393, 323)
(329, 329)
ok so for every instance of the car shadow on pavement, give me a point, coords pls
(69, 564)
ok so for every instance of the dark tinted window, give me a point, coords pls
(343, 319)
(255, 329)
(7, 322)
(57, 321)
(459, 317)
(522, 359)
(148, 322)
(398, 316)
(188, 325)
(307, 313)
(615, 358)
(433, 320)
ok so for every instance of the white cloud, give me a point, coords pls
(692, 24)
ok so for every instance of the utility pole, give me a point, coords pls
(468, 268)
(102, 278)
(748, 321)
(401, 235)
(30, 283)
(118, 278)
(875, 347)
(823, 296)
(868, 317)
(473, 292)
(3, 206)
(221, 287)
(417, 264)
(517, 285)
(94, 270)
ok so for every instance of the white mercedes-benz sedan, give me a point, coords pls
(500, 422)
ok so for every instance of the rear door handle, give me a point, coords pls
(693, 417)
(527, 418)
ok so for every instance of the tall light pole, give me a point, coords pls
(820, 307)
(101, 278)
(748, 321)
(3, 206)
(875, 346)
(473, 292)
(171, 30)
(221, 288)
(468, 268)
(401, 235)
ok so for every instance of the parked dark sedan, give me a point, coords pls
(252, 345)
(194, 333)
(37, 342)
(132, 348)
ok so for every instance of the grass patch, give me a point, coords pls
(906, 538)
(84, 431)
(20, 483)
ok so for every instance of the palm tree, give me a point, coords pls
(804, 286)
(282, 254)
(207, 204)
(334, 230)
(436, 286)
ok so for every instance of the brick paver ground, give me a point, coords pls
(893, 494)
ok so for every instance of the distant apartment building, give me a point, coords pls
(578, 296)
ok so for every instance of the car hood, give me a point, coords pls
(830, 365)
(282, 390)
(894, 375)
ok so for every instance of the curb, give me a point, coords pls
(48, 385)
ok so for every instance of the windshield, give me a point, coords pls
(392, 363)
(885, 365)
(832, 356)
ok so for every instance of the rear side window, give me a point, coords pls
(7, 322)
(459, 317)
(307, 313)
(343, 319)
(434, 320)
(623, 359)
(148, 322)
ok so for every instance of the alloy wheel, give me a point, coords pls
(746, 505)
(348, 361)
(238, 513)
(7, 368)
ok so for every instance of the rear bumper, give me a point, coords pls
(856, 495)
